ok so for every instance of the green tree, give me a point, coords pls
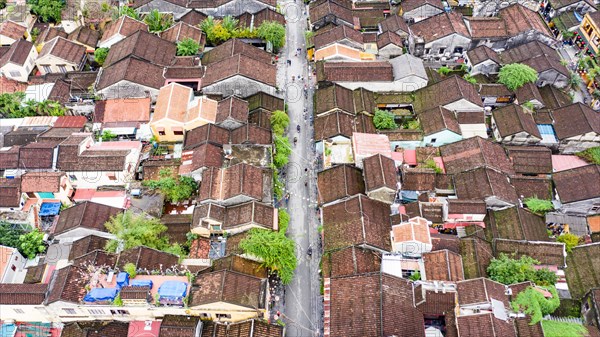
(11, 105)
(509, 271)
(133, 230)
(570, 240)
(384, 120)
(157, 21)
(218, 34)
(230, 24)
(127, 11)
(31, 244)
(108, 135)
(537, 205)
(279, 121)
(187, 47)
(9, 236)
(208, 24)
(130, 269)
(273, 32)
(276, 251)
(444, 71)
(174, 189)
(283, 151)
(591, 155)
(100, 55)
(533, 303)
(515, 75)
(470, 79)
(47, 10)
(283, 220)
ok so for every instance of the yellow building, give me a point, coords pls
(590, 31)
(177, 110)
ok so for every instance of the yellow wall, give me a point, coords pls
(591, 32)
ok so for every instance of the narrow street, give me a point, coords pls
(302, 313)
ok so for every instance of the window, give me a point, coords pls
(13, 267)
(112, 176)
(70, 311)
(442, 50)
(458, 50)
(222, 316)
(178, 132)
(433, 140)
(19, 311)
(427, 50)
(15, 73)
(96, 311)
(62, 68)
(216, 227)
(47, 69)
(161, 132)
(204, 315)
(588, 28)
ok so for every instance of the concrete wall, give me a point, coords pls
(240, 86)
(421, 13)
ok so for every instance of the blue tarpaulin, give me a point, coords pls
(122, 279)
(50, 208)
(101, 294)
(141, 283)
(172, 290)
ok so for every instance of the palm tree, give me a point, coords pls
(157, 22)
(208, 24)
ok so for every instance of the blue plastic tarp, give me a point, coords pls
(101, 294)
(172, 290)
(141, 283)
(50, 208)
(122, 279)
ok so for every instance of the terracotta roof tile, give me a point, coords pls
(22, 294)
(512, 119)
(10, 192)
(240, 65)
(181, 31)
(547, 253)
(484, 325)
(230, 287)
(37, 155)
(438, 119)
(143, 45)
(379, 172)
(584, 268)
(532, 187)
(481, 54)
(574, 120)
(12, 30)
(336, 35)
(41, 182)
(394, 23)
(86, 215)
(64, 50)
(350, 261)
(520, 19)
(531, 159)
(134, 70)
(480, 290)
(251, 134)
(235, 47)
(487, 28)
(339, 182)
(226, 183)
(17, 53)
(448, 90)
(481, 183)
(122, 110)
(472, 153)
(86, 245)
(376, 71)
(85, 36)
(124, 26)
(443, 265)
(206, 133)
(439, 26)
(578, 184)
(147, 258)
(67, 284)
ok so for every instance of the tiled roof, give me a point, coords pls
(230, 287)
(92, 159)
(143, 45)
(350, 261)
(473, 153)
(178, 326)
(67, 284)
(251, 134)
(178, 225)
(578, 184)
(334, 97)
(438, 119)
(135, 293)
(481, 54)
(448, 90)
(95, 329)
(334, 124)
(547, 253)
(10, 86)
(481, 183)
(574, 120)
(531, 159)
(338, 34)
(86, 215)
(230, 217)
(134, 70)
(240, 179)
(12, 30)
(487, 325)
(37, 155)
(584, 268)
(487, 28)
(205, 155)
(394, 23)
(122, 110)
(10, 192)
(206, 133)
(17, 53)
(437, 303)
(339, 182)
(232, 108)
(124, 26)
(529, 92)
(379, 171)
(439, 26)
(518, 224)
(193, 17)
(459, 206)
(356, 221)
(477, 254)
(320, 10)
(97, 258)
(512, 120)
(85, 36)
(376, 71)
(264, 101)
(370, 304)
(241, 65)
(480, 290)
(445, 241)
(526, 329)
(520, 19)
(410, 5)
(86, 245)
(9, 158)
(41, 182)
(443, 265)
(527, 187)
(181, 31)
(147, 258)
(64, 50)
(239, 264)
(70, 122)
(22, 294)
(235, 47)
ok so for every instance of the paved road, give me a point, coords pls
(302, 313)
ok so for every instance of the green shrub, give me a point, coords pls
(276, 251)
(444, 71)
(533, 303)
(570, 240)
(130, 269)
(384, 120)
(538, 205)
(515, 75)
(591, 155)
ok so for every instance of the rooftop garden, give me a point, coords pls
(591, 155)
(386, 120)
(563, 329)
